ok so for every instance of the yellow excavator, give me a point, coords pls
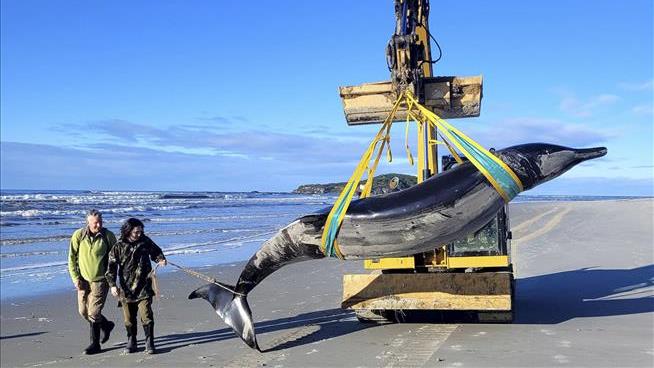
(472, 275)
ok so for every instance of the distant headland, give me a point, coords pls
(381, 184)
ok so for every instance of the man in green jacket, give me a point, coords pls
(87, 263)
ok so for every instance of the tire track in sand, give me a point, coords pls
(549, 226)
(530, 221)
(415, 347)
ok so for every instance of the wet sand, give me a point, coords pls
(585, 297)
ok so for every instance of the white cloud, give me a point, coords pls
(513, 131)
(122, 167)
(585, 108)
(111, 167)
(645, 109)
(201, 139)
(637, 86)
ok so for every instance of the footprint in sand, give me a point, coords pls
(561, 359)
(548, 332)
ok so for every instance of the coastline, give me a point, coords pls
(584, 298)
(47, 277)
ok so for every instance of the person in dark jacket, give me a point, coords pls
(130, 260)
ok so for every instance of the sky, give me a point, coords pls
(241, 96)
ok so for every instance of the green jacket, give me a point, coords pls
(88, 255)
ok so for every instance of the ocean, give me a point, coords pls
(194, 229)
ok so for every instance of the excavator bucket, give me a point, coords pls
(448, 97)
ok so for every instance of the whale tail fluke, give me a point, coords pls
(232, 308)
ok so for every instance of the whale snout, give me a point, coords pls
(537, 163)
(584, 154)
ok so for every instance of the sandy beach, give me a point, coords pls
(584, 298)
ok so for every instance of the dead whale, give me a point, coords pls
(441, 209)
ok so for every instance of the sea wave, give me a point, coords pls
(31, 254)
(174, 248)
(44, 213)
(256, 237)
(202, 231)
(33, 266)
(190, 251)
(66, 237)
(211, 218)
(34, 198)
(35, 239)
(79, 221)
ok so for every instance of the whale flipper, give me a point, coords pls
(231, 308)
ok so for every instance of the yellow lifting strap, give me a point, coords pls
(329, 245)
(501, 177)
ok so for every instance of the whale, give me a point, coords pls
(441, 209)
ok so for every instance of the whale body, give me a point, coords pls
(441, 209)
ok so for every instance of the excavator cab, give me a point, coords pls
(492, 240)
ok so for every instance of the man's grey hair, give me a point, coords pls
(94, 213)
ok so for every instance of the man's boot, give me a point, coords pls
(94, 348)
(149, 338)
(130, 347)
(106, 328)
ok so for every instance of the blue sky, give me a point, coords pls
(239, 96)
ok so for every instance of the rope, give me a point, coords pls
(155, 283)
(204, 277)
(189, 271)
(155, 288)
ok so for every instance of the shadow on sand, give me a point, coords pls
(586, 292)
(544, 299)
(559, 297)
(327, 324)
(22, 335)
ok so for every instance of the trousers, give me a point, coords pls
(144, 309)
(90, 300)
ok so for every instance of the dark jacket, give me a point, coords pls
(131, 262)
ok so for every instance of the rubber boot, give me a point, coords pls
(106, 328)
(94, 348)
(130, 347)
(149, 338)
